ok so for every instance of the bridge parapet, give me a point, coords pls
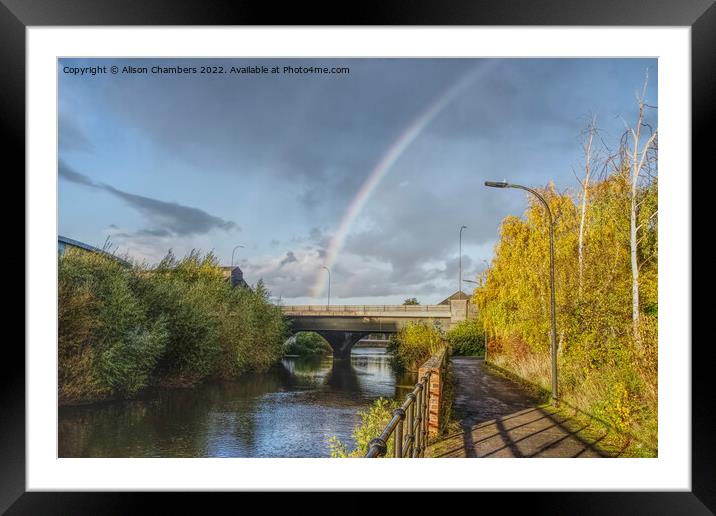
(368, 310)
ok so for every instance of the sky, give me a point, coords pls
(370, 173)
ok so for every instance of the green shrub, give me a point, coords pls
(252, 332)
(308, 343)
(126, 366)
(415, 343)
(467, 338)
(123, 328)
(214, 329)
(187, 294)
(100, 320)
(372, 422)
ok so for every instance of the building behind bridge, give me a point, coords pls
(235, 275)
(460, 305)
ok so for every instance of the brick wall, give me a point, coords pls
(436, 366)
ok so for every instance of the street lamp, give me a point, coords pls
(329, 285)
(231, 272)
(232, 255)
(459, 280)
(505, 184)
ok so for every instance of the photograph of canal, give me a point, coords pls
(357, 257)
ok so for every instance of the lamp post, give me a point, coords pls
(231, 272)
(505, 184)
(232, 255)
(329, 285)
(459, 280)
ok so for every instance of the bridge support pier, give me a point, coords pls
(342, 341)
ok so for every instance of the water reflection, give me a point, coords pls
(289, 411)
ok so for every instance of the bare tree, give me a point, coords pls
(637, 160)
(587, 146)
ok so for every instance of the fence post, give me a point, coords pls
(424, 408)
(408, 448)
(398, 445)
(418, 420)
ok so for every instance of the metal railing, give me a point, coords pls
(408, 426)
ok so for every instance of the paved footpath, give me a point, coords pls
(499, 419)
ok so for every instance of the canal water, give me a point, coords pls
(290, 411)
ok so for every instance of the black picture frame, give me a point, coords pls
(17, 15)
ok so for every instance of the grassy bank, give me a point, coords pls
(122, 329)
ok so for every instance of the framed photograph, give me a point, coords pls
(268, 246)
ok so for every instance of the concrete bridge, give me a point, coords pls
(344, 325)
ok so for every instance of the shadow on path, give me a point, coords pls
(499, 419)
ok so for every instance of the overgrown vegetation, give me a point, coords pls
(308, 343)
(414, 344)
(467, 338)
(372, 422)
(123, 328)
(607, 357)
(417, 341)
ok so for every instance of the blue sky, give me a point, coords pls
(273, 161)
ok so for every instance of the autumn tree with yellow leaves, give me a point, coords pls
(604, 271)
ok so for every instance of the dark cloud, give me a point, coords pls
(154, 232)
(308, 198)
(71, 137)
(326, 133)
(290, 258)
(177, 218)
(73, 176)
(173, 218)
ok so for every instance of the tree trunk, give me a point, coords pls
(634, 266)
(637, 164)
(585, 199)
(632, 224)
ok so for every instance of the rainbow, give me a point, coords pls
(386, 162)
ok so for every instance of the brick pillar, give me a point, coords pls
(435, 365)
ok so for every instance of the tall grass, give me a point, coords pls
(107, 344)
(122, 328)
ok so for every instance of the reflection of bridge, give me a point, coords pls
(344, 325)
